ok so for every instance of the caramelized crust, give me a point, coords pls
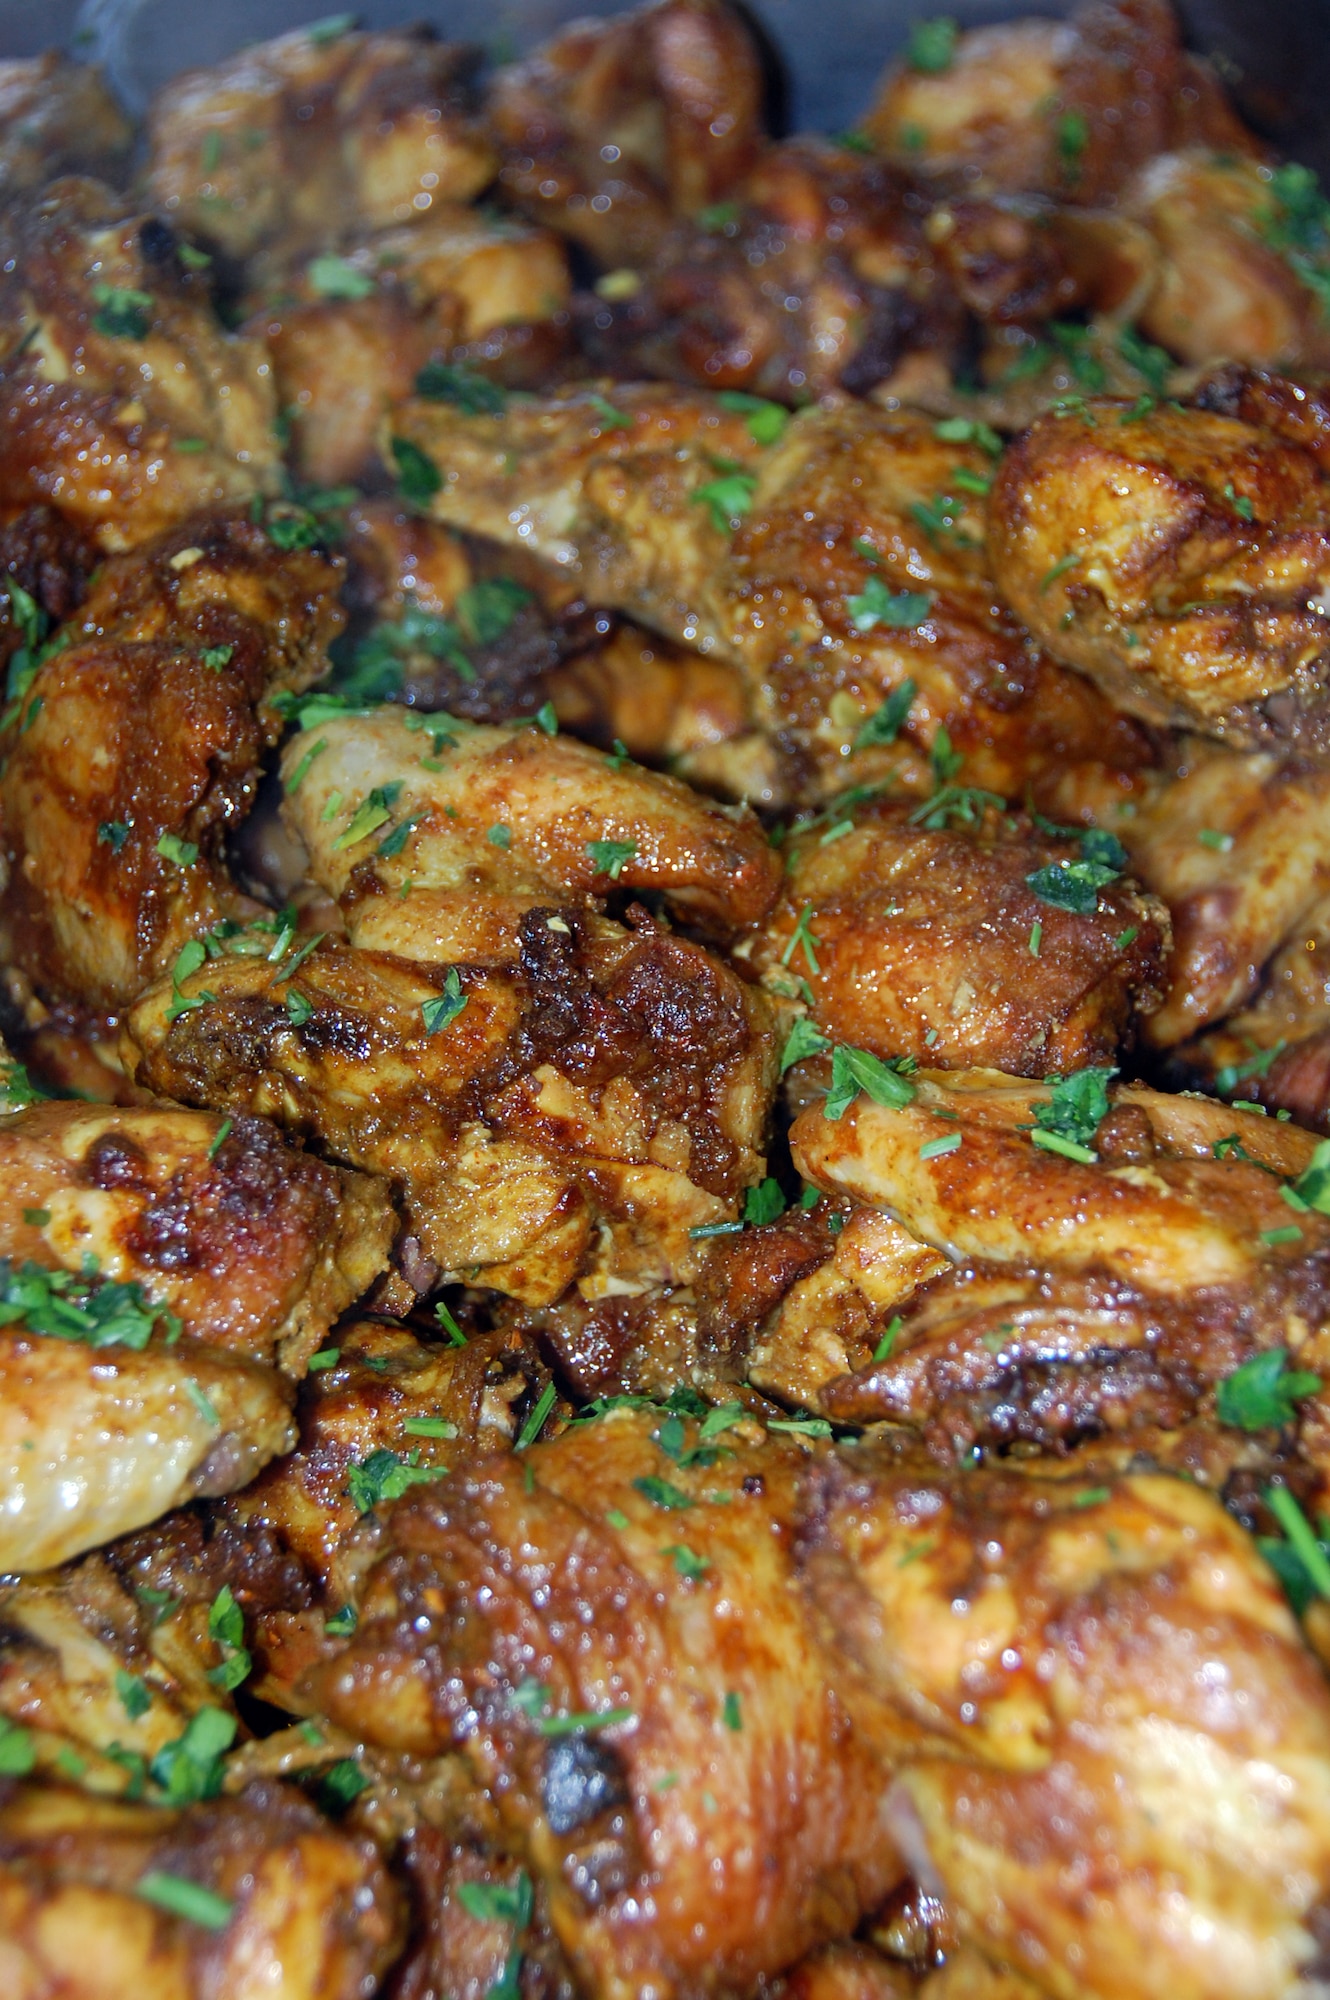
(1178, 558)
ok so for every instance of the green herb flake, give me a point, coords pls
(947, 1142)
(1311, 1574)
(1220, 843)
(856, 1070)
(443, 1010)
(303, 768)
(661, 1493)
(95, 1312)
(498, 1902)
(334, 278)
(132, 1693)
(687, 1562)
(931, 48)
(456, 1337)
(609, 857)
(764, 1202)
(1274, 1238)
(766, 420)
(535, 1421)
(122, 314)
(1059, 569)
(180, 1897)
(385, 1476)
(499, 836)
(965, 430)
(372, 813)
(610, 418)
(343, 1622)
(1068, 1120)
(190, 1769)
(546, 719)
(732, 1713)
(17, 1751)
(883, 1350)
(327, 1357)
(474, 395)
(802, 939)
(418, 477)
(181, 853)
(1239, 502)
(728, 499)
(1263, 1393)
(878, 604)
(217, 657)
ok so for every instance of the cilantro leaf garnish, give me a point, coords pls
(878, 604)
(1263, 1393)
(886, 723)
(728, 499)
(123, 313)
(95, 1311)
(386, 1476)
(418, 477)
(334, 278)
(1068, 1121)
(764, 1202)
(931, 48)
(444, 1008)
(190, 1768)
(855, 1070)
(803, 1040)
(474, 395)
(608, 857)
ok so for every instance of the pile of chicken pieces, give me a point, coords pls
(664, 868)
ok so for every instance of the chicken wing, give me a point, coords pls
(1177, 557)
(1064, 109)
(125, 405)
(832, 567)
(1113, 1264)
(134, 748)
(616, 127)
(240, 1896)
(295, 144)
(923, 933)
(57, 117)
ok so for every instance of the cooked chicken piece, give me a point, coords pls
(137, 749)
(101, 1682)
(486, 823)
(817, 274)
(1126, 1793)
(923, 933)
(96, 1441)
(615, 128)
(349, 339)
(248, 1896)
(125, 405)
(57, 117)
(975, 1625)
(1233, 266)
(669, 707)
(293, 145)
(1066, 109)
(1110, 1277)
(380, 1390)
(844, 560)
(848, 1972)
(724, 1816)
(572, 1115)
(1234, 844)
(1177, 557)
(254, 1247)
(1276, 1050)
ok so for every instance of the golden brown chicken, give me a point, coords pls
(243, 1896)
(1178, 557)
(293, 145)
(1114, 1258)
(932, 932)
(155, 1263)
(134, 749)
(57, 117)
(1235, 278)
(615, 128)
(834, 567)
(125, 405)
(350, 335)
(973, 1625)
(1063, 109)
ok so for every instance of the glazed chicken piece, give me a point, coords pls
(1115, 1256)
(136, 751)
(831, 567)
(217, 1252)
(874, 1667)
(1067, 109)
(1053, 1638)
(1177, 557)
(725, 1816)
(818, 273)
(52, 561)
(616, 128)
(572, 1115)
(238, 1896)
(125, 405)
(294, 145)
(918, 933)
(350, 335)
(57, 117)
(380, 1389)
(1234, 843)
(1238, 251)
(499, 820)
